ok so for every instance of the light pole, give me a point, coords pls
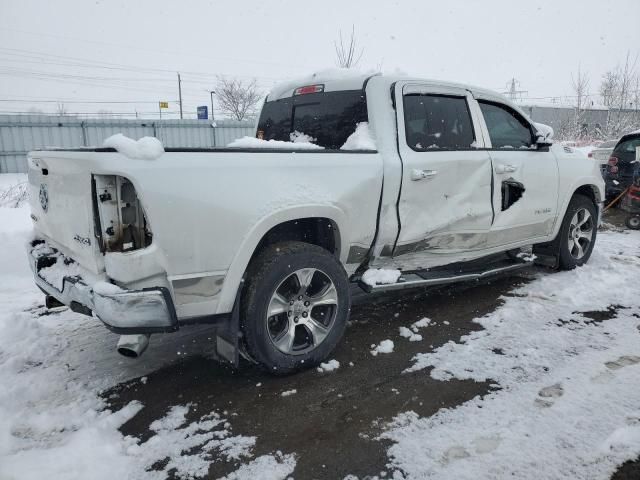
(212, 93)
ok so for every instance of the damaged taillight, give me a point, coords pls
(120, 221)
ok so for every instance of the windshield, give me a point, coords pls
(328, 117)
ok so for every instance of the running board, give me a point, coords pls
(425, 278)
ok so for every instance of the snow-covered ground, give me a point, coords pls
(53, 422)
(566, 404)
(569, 399)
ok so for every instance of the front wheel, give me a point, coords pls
(295, 306)
(577, 235)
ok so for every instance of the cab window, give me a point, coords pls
(437, 122)
(507, 128)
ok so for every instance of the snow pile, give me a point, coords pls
(380, 276)
(299, 137)
(385, 346)
(361, 139)
(105, 288)
(288, 393)
(329, 366)
(147, 148)
(422, 323)
(54, 275)
(53, 365)
(320, 76)
(412, 336)
(189, 448)
(252, 142)
(569, 398)
(266, 467)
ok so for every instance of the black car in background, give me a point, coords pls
(620, 169)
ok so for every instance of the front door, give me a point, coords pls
(445, 201)
(525, 178)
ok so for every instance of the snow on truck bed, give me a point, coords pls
(567, 397)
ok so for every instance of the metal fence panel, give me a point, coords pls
(21, 133)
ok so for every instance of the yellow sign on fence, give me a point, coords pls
(164, 104)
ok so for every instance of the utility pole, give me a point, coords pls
(212, 92)
(180, 94)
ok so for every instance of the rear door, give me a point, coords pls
(445, 200)
(525, 178)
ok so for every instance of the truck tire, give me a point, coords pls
(295, 306)
(633, 222)
(577, 235)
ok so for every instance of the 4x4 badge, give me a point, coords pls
(44, 196)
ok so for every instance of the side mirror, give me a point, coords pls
(544, 135)
(543, 141)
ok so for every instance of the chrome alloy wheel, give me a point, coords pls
(302, 311)
(581, 230)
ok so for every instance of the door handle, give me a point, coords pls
(506, 168)
(417, 174)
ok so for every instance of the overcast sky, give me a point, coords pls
(129, 51)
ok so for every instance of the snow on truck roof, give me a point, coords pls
(345, 79)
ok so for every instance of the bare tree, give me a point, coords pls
(580, 86)
(236, 98)
(61, 109)
(620, 92)
(348, 55)
(575, 125)
(608, 88)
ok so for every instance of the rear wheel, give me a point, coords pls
(295, 306)
(577, 235)
(633, 222)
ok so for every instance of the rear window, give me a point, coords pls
(629, 146)
(608, 144)
(328, 117)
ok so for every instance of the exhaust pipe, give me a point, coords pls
(132, 346)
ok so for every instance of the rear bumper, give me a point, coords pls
(150, 310)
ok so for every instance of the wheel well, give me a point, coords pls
(315, 230)
(589, 191)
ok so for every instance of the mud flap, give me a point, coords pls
(227, 345)
(547, 254)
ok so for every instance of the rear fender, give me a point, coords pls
(247, 248)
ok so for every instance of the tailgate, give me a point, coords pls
(62, 207)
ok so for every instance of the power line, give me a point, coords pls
(81, 101)
(172, 52)
(63, 60)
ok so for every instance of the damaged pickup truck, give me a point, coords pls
(380, 181)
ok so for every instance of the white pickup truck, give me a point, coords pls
(441, 182)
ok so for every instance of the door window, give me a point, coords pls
(437, 122)
(507, 129)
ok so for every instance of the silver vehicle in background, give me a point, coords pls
(603, 152)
